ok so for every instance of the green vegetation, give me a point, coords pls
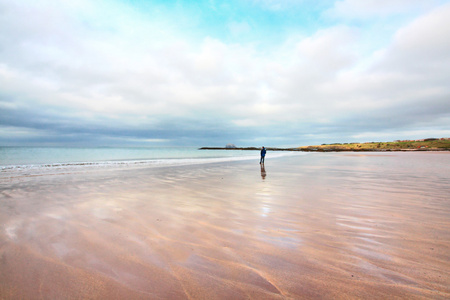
(420, 145)
(433, 144)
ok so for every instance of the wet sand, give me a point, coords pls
(311, 226)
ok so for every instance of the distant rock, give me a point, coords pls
(230, 146)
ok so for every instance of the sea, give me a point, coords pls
(35, 160)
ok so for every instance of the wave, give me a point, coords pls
(72, 167)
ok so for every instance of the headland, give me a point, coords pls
(430, 144)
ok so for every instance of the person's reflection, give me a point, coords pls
(263, 172)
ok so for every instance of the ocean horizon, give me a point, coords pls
(37, 160)
(24, 155)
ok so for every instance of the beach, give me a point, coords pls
(303, 226)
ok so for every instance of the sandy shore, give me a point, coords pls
(310, 226)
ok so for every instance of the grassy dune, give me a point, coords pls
(421, 145)
(417, 145)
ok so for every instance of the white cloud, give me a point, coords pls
(276, 4)
(329, 49)
(239, 28)
(356, 9)
(20, 132)
(110, 63)
(246, 123)
(425, 41)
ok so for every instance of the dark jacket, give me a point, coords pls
(263, 152)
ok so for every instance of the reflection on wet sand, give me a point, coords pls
(263, 171)
(321, 227)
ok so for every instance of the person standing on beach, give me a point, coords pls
(263, 155)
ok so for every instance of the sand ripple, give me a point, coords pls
(329, 226)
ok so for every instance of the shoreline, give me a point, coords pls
(314, 149)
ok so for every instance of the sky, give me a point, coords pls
(210, 72)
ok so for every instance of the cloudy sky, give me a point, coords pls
(208, 73)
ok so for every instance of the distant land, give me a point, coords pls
(430, 144)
